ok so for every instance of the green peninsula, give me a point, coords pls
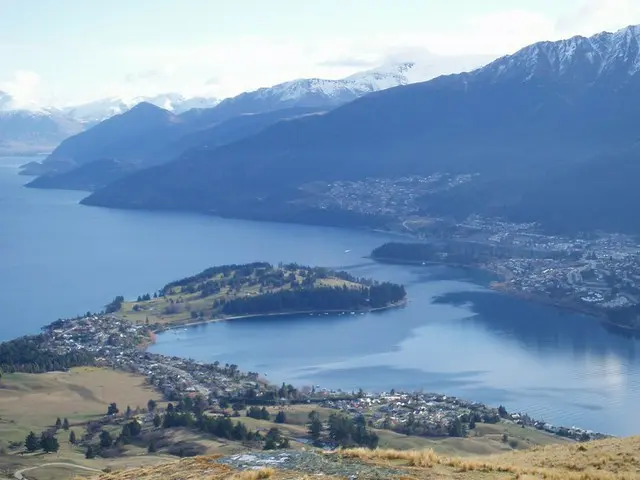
(256, 289)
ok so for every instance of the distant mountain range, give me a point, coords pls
(551, 132)
(41, 129)
(103, 109)
(31, 131)
(140, 138)
(158, 130)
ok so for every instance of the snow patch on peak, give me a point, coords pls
(612, 55)
(351, 87)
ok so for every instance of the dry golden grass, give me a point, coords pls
(603, 460)
(203, 468)
(34, 401)
(410, 458)
(255, 474)
(615, 459)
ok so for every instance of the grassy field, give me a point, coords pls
(602, 460)
(175, 307)
(485, 439)
(33, 402)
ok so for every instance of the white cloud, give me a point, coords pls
(240, 63)
(251, 62)
(24, 88)
(594, 16)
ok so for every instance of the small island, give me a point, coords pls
(256, 289)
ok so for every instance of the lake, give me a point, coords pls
(455, 336)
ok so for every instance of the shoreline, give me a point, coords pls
(567, 306)
(545, 300)
(502, 287)
(176, 326)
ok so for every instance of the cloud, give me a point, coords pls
(150, 74)
(593, 16)
(349, 62)
(6, 101)
(24, 90)
(224, 66)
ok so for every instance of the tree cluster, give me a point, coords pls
(47, 442)
(206, 275)
(348, 433)
(30, 355)
(115, 305)
(221, 427)
(258, 413)
(275, 440)
(316, 299)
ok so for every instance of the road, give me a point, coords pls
(19, 475)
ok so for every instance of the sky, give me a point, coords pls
(62, 52)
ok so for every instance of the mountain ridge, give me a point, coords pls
(516, 122)
(102, 109)
(102, 142)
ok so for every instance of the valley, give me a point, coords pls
(478, 308)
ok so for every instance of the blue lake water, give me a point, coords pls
(58, 258)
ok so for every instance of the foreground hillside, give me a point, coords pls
(608, 459)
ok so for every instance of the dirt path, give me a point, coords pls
(19, 475)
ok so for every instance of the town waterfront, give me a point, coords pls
(455, 336)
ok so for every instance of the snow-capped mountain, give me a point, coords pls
(341, 90)
(323, 93)
(312, 90)
(611, 57)
(551, 131)
(108, 107)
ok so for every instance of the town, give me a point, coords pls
(116, 343)
(597, 273)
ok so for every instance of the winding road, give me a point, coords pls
(19, 475)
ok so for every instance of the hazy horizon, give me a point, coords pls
(63, 56)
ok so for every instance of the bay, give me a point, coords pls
(455, 336)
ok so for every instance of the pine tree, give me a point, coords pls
(457, 429)
(90, 453)
(58, 423)
(152, 447)
(157, 421)
(65, 424)
(31, 442)
(49, 443)
(72, 437)
(281, 417)
(264, 414)
(284, 443)
(315, 425)
(105, 439)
